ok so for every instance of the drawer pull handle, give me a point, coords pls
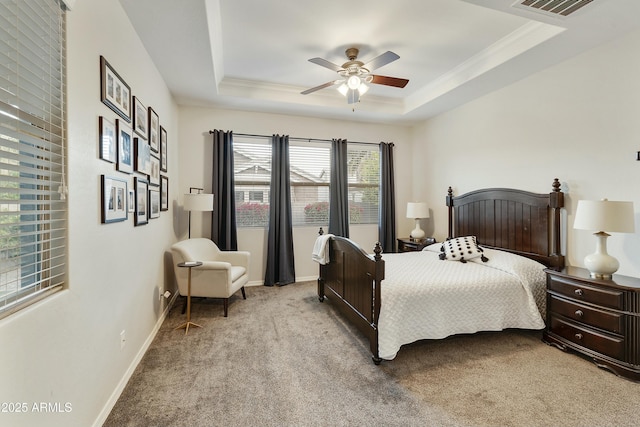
(578, 292)
(578, 336)
(579, 313)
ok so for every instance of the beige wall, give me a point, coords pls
(577, 121)
(195, 171)
(66, 349)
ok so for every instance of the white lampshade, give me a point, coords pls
(605, 215)
(198, 202)
(417, 210)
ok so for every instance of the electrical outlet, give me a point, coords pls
(123, 339)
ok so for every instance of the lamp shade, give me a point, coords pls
(417, 210)
(605, 215)
(198, 202)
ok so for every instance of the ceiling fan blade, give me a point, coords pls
(322, 86)
(381, 60)
(389, 81)
(325, 63)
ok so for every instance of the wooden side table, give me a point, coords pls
(408, 244)
(189, 265)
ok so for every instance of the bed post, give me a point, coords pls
(450, 207)
(379, 275)
(556, 202)
(320, 275)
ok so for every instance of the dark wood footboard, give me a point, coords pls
(352, 280)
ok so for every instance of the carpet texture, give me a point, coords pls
(282, 358)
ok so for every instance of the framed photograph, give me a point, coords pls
(131, 200)
(143, 156)
(125, 147)
(154, 203)
(139, 118)
(114, 199)
(114, 92)
(107, 135)
(164, 193)
(142, 202)
(163, 149)
(154, 171)
(154, 130)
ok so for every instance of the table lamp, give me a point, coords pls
(417, 210)
(197, 201)
(603, 216)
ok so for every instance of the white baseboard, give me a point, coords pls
(106, 410)
(298, 279)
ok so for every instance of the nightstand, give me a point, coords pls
(595, 317)
(407, 244)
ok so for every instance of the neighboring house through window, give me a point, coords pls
(310, 174)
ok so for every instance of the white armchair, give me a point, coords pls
(221, 274)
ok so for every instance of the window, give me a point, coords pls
(252, 178)
(32, 139)
(310, 175)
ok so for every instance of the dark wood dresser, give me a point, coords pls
(408, 244)
(598, 318)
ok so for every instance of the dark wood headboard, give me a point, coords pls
(517, 221)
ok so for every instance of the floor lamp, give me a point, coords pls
(197, 201)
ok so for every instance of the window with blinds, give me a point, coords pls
(309, 177)
(32, 151)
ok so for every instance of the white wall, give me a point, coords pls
(577, 121)
(66, 349)
(195, 171)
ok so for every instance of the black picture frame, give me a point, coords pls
(154, 203)
(125, 147)
(115, 93)
(142, 204)
(154, 130)
(113, 199)
(140, 118)
(164, 193)
(163, 149)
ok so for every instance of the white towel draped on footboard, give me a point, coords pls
(320, 252)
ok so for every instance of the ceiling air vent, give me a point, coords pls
(552, 7)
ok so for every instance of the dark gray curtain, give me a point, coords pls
(339, 189)
(223, 220)
(280, 267)
(387, 207)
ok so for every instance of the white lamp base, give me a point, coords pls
(417, 233)
(600, 264)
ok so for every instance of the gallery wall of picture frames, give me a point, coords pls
(135, 142)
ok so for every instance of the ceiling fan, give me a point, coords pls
(355, 74)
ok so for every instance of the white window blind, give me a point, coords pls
(32, 151)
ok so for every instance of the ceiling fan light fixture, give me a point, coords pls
(343, 89)
(363, 88)
(354, 82)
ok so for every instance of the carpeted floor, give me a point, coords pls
(282, 358)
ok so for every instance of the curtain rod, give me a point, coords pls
(299, 139)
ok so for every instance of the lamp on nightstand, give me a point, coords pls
(603, 216)
(417, 210)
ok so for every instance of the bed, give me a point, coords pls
(401, 298)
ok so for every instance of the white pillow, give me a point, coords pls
(461, 249)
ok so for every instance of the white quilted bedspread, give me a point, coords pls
(424, 297)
